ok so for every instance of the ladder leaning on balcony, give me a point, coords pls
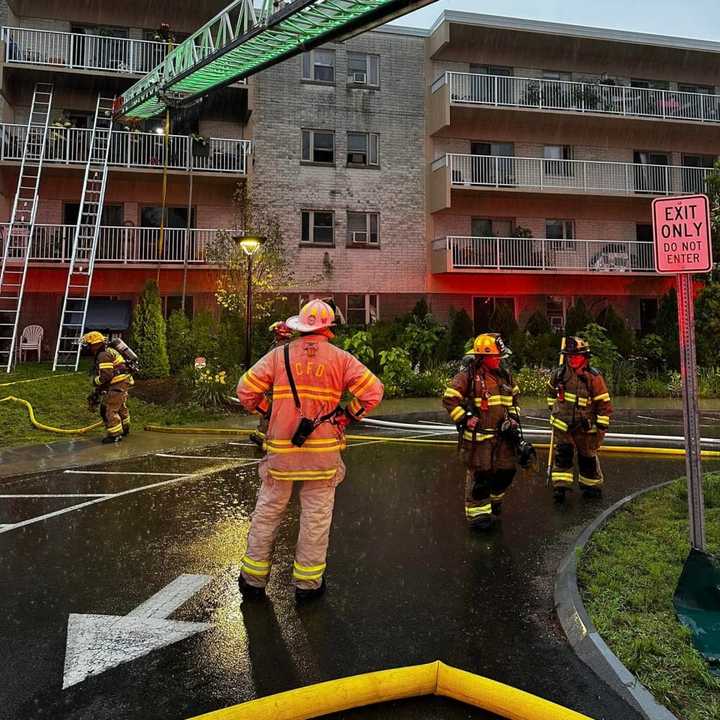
(87, 228)
(17, 249)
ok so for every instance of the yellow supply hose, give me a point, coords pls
(48, 428)
(434, 678)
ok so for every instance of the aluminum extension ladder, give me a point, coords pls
(84, 247)
(18, 244)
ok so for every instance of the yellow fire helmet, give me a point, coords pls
(576, 346)
(93, 337)
(490, 344)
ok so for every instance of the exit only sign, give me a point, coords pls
(681, 228)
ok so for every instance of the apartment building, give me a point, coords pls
(484, 161)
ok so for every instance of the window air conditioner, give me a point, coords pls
(360, 237)
(359, 77)
(357, 158)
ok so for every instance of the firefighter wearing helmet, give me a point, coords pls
(482, 400)
(112, 379)
(307, 379)
(580, 415)
(281, 334)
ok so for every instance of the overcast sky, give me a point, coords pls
(679, 18)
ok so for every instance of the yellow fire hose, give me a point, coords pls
(49, 428)
(435, 678)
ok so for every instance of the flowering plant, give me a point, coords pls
(209, 387)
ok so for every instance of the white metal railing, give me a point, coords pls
(587, 176)
(26, 46)
(120, 245)
(133, 149)
(541, 254)
(583, 97)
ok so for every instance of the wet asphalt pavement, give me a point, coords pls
(407, 583)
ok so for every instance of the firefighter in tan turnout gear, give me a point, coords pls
(112, 379)
(482, 400)
(580, 415)
(307, 379)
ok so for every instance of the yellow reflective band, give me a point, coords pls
(256, 386)
(602, 396)
(306, 576)
(274, 450)
(516, 390)
(318, 389)
(299, 475)
(479, 437)
(105, 366)
(514, 410)
(472, 512)
(310, 441)
(355, 406)
(452, 392)
(456, 414)
(562, 476)
(559, 424)
(366, 378)
(497, 497)
(309, 568)
(115, 429)
(259, 564)
(252, 571)
(308, 396)
(603, 419)
(550, 400)
(589, 481)
(119, 378)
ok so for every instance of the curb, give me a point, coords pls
(584, 637)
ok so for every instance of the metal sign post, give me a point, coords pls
(681, 228)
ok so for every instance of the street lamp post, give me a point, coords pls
(250, 245)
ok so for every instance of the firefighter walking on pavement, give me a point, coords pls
(112, 378)
(482, 400)
(580, 415)
(307, 379)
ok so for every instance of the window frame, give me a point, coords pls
(369, 243)
(568, 230)
(370, 137)
(311, 132)
(312, 63)
(370, 59)
(367, 304)
(312, 242)
(559, 166)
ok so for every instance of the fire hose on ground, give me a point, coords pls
(49, 428)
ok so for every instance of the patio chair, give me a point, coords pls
(30, 340)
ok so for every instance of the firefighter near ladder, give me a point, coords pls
(306, 379)
(580, 408)
(482, 401)
(112, 376)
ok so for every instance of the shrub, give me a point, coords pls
(430, 383)
(359, 345)
(674, 385)
(421, 309)
(533, 381)
(617, 330)
(204, 333)
(709, 382)
(396, 368)
(459, 331)
(422, 338)
(210, 388)
(605, 356)
(652, 386)
(147, 334)
(502, 320)
(179, 342)
(667, 324)
(651, 353)
(707, 323)
(577, 317)
(538, 324)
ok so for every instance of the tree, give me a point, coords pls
(147, 334)
(459, 332)
(707, 325)
(502, 320)
(179, 341)
(577, 317)
(618, 331)
(712, 182)
(605, 355)
(667, 324)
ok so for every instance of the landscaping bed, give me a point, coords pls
(627, 575)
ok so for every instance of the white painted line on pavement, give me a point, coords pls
(200, 457)
(118, 472)
(171, 597)
(58, 495)
(131, 491)
(237, 444)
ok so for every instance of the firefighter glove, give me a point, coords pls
(586, 424)
(471, 422)
(341, 419)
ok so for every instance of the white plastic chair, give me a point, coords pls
(30, 340)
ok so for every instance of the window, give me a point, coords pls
(484, 308)
(362, 228)
(319, 66)
(175, 217)
(362, 149)
(491, 227)
(362, 309)
(502, 70)
(363, 69)
(318, 227)
(318, 146)
(171, 303)
(560, 230)
(112, 215)
(694, 172)
(702, 89)
(556, 160)
(555, 312)
(557, 75)
(650, 84)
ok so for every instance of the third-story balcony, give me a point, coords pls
(133, 150)
(538, 175)
(455, 254)
(468, 90)
(79, 51)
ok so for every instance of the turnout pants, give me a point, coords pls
(586, 446)
(317, 498)
(490, 471)
(114, 412)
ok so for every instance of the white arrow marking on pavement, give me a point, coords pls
(96, 643)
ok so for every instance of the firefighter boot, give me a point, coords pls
(126, 428)
(559, 494)
(111, 439)
(303, 595)
(250, 592)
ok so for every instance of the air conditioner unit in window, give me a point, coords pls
(357, 158)
(360, 237)
(359, 77)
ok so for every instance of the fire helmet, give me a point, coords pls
(280, 330)
(315, 315)
(92, 338)
(490, 345)
(576, 346)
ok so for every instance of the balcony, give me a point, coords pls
(132, 150)
(455, 254)
(498, 91)
(52, 245)
(78, 51)
(589, 177)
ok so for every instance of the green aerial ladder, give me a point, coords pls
(241, 41)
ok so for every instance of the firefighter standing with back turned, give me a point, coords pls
(111, 381)
(307, 378)
(482, 400)
(580, 415)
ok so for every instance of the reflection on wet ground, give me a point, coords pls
(408, 583)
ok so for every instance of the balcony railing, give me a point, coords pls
(581, 97)
(25, 46)
(520, 254)
(584, 176)
(133, 149)
(119, 245)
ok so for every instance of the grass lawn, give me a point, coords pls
(60, 400)
(628, 574)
